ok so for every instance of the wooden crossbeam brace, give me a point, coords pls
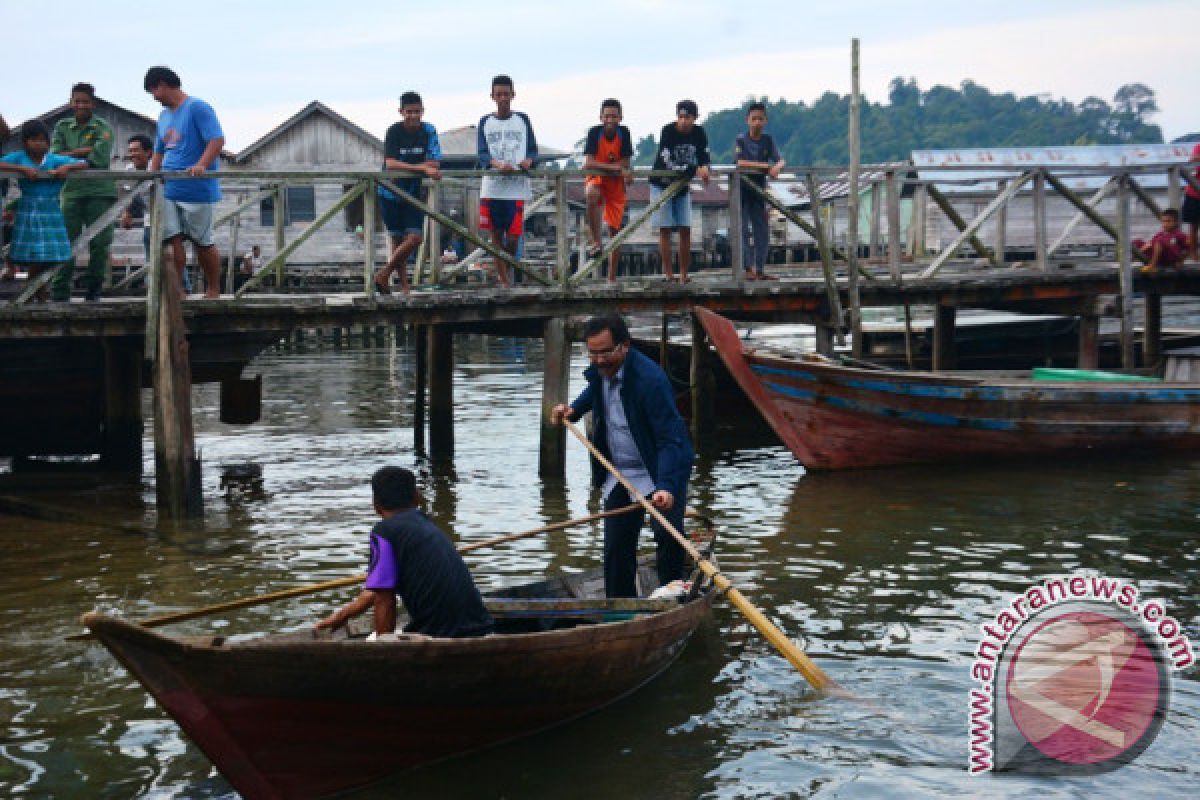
(1092, 202)
(280, 257)
(947, 208)
(968, 232)
(624, 234)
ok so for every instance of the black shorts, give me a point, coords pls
(1190, 213)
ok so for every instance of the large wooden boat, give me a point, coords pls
(838, 417)
(294, 716)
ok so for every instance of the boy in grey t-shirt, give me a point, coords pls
(755, 150)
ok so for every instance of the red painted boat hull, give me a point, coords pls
(836, 417)
(299, 718)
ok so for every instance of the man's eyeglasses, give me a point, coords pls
(596, 355)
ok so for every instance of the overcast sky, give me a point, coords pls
(260, 62)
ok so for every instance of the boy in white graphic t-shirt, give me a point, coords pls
(507, 145)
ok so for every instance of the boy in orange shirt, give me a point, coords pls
(608, 149)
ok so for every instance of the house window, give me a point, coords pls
(301, 207)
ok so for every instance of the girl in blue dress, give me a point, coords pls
(39, 232)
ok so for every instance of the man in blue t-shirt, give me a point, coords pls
(410, 146)
(189, 139)
(412, 558)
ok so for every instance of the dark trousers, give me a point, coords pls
(620, 545)
(79, 212)
(756, 235)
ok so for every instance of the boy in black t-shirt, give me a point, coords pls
(412, 558)
(683, 149)
(755, 150)
(409, 146)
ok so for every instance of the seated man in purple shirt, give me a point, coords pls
(412, 558)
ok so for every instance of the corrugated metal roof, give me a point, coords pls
(794, 193)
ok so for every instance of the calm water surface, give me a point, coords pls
(883, 576)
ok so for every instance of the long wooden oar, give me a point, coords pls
(811, 672)
(337, 583)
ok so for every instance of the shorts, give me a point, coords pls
(400, 218)
(612, 196)
(675, 213)
(506, 216)
(193, 220)
(1190, 212)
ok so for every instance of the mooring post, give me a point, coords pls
(177, 471)
(703, 382)
(1152, 336)
(1089, 340)
(943, 337)
(441, 392)
(556, 376)
(122, 445)
(421, 352)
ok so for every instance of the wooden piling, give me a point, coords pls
(1039, 220)
(556, 376)
(703, 382)
(421, 368)
(893, 224)
(875, 237)
(441, 392)
(369, 201)
(1000, 242)
(1089, 340)
(279, 218)
(824, 340)
(943, 337)
(1152, 336)
(562, 242)
(177, 471)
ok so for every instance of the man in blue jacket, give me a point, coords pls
(638, 429)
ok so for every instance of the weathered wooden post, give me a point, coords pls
(1152, 336)
(177, 471)
(279, 218)
(943, 337)
(562, 242)
(920, 217)
(1174, 191)
(435, 234)
(856, 344)
(703, 383)
(664, 342)
(441, 392)
(556, 377)
(1000, 244)
(421, 353)
(1039, 219)
(231, 272)
(122, 445)
(1089, 340)
(876, 234)
(369, 200)
(736, 256)
(893, 222)
(1125, 272)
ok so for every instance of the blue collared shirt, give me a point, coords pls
(621, 447)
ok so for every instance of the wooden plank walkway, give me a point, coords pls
(799, 296)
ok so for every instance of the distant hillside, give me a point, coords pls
(941, 117)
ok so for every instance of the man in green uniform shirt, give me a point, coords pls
(88, 137)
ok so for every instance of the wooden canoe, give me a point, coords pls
(293, 716)
(839, 417)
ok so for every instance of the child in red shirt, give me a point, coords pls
(1167, 247)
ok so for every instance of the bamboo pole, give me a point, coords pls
(339, 583)
(795, 656)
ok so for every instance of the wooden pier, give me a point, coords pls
(72, 373)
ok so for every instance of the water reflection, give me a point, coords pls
(883, 576)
